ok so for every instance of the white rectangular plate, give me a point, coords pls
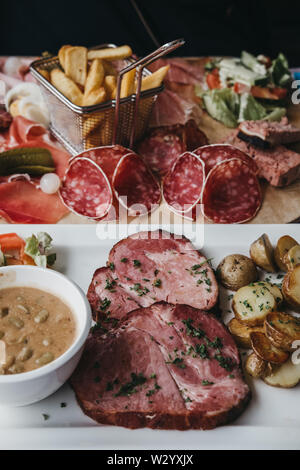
(271, 421)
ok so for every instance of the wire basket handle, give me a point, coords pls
(139, 66)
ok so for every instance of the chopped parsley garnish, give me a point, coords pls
(201, 350)
(45, 416)
(153, 376)
(153, 390)
(97, 379)
(191, 330)
(178, 361)
(140, 289)
(225, 362)
(187, 399)
(130, 387)
(111, 266)
(136, 263)
(157, 283)
(156, 272)
(207, 382)
(105, 303)
(110, 284)
(124, 260)
(63, 405)
(216, 343)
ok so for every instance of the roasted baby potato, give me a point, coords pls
(261, 251)
(252, 303)
(236, 271)
(282, 329)
(275, 291)
(241, 332)
(255, 366)
(291, 288)
(286, 375)
(264, 349)
(284, 244)
(292, 258)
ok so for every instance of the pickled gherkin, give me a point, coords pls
(32, 160)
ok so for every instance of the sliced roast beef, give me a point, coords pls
(166, 366)
(278, 165)
(260, 133)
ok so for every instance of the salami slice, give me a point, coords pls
(106, 157)
(134, 185)
(113, 174)
(182, 187)
(163, 145)
(216, 153)
(231, 193)
(85, 189)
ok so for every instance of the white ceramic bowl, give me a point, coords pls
(29, 387)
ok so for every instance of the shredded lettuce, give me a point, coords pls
(222, 105)
(250, 109)
(230, 108)
(38, 248)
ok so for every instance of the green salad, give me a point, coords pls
(248, 88)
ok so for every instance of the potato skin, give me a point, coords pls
(264, 349)
(255, 366)
(236, 271)
(280, 330)
(283, 245)
(261, 252)
(287, 291)
(241, 332)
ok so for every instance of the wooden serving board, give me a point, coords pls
(279, 206)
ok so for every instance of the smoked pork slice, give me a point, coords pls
(108, 300)
(154, 266)
(166, 367)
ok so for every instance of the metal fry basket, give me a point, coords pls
(121, 121)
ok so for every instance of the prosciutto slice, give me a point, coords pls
(21, 201)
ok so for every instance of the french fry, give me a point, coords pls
(111, 53)
(66, 86)
(75, 60)
(110, 84)
(61, 55)
(45, 73)
(94, 97)
(155, 79)
(95, 76)
(91, 124)
(127, 85)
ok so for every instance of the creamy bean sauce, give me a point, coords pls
(36, 327)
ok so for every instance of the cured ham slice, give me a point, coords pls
(21, 201)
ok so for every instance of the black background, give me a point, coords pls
(223, 27)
